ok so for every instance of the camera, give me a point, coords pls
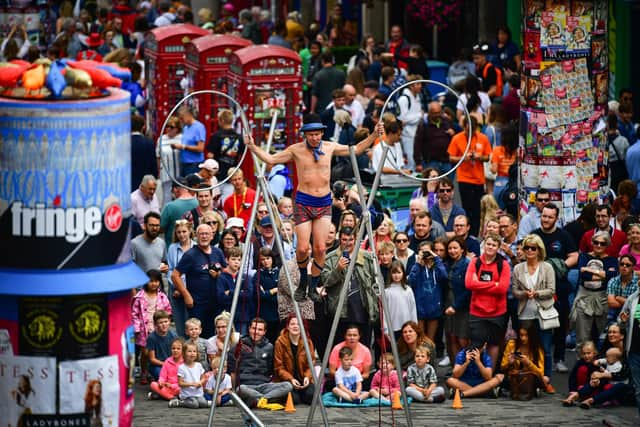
(427, 256)
(340, 190)
(215, 267)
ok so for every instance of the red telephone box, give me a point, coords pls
(207, 66)
(261, 78)
(164, 69)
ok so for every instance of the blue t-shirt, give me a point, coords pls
(191, 134)
(195, 265)
(161, 344)
(472, 374)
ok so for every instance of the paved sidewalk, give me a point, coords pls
(545, 411)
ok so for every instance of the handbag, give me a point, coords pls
(548, 318)
(522, 385)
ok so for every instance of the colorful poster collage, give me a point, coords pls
(564, 94)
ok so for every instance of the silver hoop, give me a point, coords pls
(245, 128)
(466, 112)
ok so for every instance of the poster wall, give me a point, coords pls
(27, 386)
(563, 103)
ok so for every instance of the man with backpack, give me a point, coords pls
(491, 76)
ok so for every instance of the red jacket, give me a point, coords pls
(488, 296)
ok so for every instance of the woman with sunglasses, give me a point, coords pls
(168, 158)
(403, 252)
(533, 285)
(213, 219)
(182, 242)
(590, 307)
(622, 286)
(633, 247)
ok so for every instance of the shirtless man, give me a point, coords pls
(312, 209)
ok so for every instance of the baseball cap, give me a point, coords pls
(210, 165)
(266, 221)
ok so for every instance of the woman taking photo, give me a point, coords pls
(534, 284)
(290, 361)
(457, 300)
(590, 307)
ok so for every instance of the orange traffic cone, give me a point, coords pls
(457, 402)
(395, 402)
(289, 406)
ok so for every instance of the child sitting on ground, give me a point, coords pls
(190, 379)
(159, 342)
(581, 372)
(348, 379)
(612, 363)
(193, 328)
(145, 303)
(422, 378)
(385, 384)
(224, 391)
(167, 385)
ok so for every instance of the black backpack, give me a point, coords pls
(499, 259)
(509, 195)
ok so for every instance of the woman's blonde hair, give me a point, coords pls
(534, 239)
(342, 117)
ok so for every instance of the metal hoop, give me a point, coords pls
(466, 112)
(245, 128)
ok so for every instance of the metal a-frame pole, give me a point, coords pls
(263, 189)
(380, 286)
(236, 294)
(343, 292)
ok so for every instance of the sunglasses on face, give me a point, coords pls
(530, 248)
(401, 240)
(445, 190)
(599, 243)
(626, 264)
(543, 200)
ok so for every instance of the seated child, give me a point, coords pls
(473, 373)
(581, 372)
(224, 391)
(422, 379)
(348, 379)
(159, 342)
(167, 385)
(190, 379)
(385, 383)
(193, 328)
(612, 363)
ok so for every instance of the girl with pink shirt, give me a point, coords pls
(385, 383)
(146, 302)
(167, 385)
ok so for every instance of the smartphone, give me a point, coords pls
(517, 354)
(346, 254)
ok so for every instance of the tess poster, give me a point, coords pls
(27, 386)
(91, 386)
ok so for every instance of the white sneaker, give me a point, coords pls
(174, 403)
(561, 367)
(444, 362)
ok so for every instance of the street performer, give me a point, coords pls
(312, 209)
